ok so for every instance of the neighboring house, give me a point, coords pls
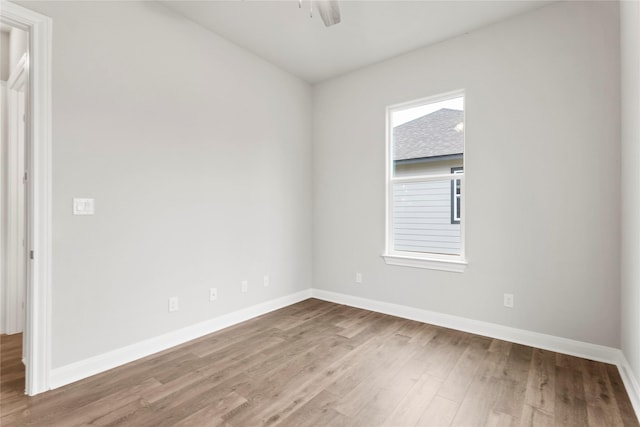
(427, 214)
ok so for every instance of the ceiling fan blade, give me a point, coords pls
(329, 11)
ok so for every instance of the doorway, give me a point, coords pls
(31, 118)
(14, 159)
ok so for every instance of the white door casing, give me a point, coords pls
(37, 330)
(16, 275)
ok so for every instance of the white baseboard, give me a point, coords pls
(585, 350)
(630, 383)
(103, 362)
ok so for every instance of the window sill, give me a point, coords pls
(456, 266)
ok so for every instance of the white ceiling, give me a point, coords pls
(370, 31)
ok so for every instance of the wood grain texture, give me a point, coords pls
(322, 364)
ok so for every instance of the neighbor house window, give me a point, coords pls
(425, 183)
(456, 194)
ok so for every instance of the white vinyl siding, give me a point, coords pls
(422, 218)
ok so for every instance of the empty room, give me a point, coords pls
(320, 213)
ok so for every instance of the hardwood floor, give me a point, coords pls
(321, 364)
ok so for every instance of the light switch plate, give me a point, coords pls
(83, 206)
(173, 304)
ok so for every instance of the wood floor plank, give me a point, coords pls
(281, 385)
(318, 411)
(317, 363)
(513, 381)
(445, 349)
(540, 388)
(390, 388)
(478, 402)
(439, 412)
(213, 413)
(87, 414)
(499, 419)
(483, 391)
(622, 398)
(570, 405)
(380, 353)
(457, 382)
(500, 346)
(412, 406)
(534, 417)
(602, 407)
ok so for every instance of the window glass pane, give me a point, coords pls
(428, 139)
(422, 218)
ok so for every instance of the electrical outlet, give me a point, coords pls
(213, 294)
(265, 281)
(508, 300)
(173, 304)
(358, 277)
(244, 286)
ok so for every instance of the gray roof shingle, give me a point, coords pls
(435, 134)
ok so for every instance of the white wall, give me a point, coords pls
(198, 156)
(542, 166)
(630, 85)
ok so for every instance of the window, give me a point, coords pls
(455, 197)
(425, 183)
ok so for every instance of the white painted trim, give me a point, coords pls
(103, 362)
(630, 382)
(548, 342)
(37, 331)
(454, 265)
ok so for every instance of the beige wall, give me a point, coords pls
(542, 170)
(198, 156)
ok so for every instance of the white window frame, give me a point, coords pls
(444, 262)
(455, 195)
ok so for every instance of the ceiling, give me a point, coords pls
(370, 31)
